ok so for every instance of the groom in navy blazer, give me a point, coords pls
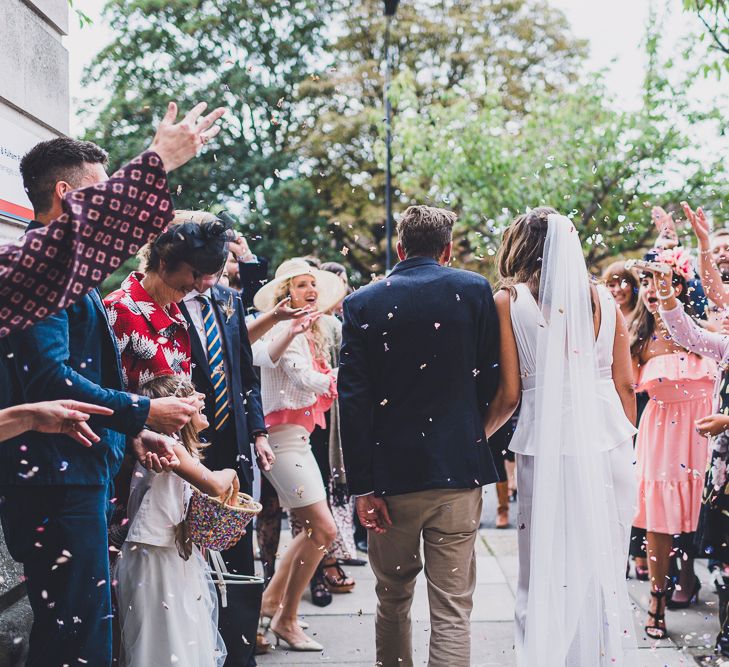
(419, 365)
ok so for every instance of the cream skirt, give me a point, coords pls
(295, 475)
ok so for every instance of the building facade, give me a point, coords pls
(34, 94)
(34, 105)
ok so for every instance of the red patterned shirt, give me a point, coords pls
(51, 268)
(152, 340)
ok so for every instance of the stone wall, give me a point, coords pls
(32, 51)
(34, 96)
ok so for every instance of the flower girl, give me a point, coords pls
(167, 603)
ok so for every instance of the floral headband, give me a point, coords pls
(677, 258)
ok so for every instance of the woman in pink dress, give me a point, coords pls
(671, 455)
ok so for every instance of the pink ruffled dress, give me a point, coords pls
(671, 455)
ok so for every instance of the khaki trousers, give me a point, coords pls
(448, 522)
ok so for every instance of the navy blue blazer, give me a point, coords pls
(418, 367)
(253, 275)
(244, 387)
(71, 354)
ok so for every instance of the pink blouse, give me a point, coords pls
(312, 415)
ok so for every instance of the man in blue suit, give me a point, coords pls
(418, 367)
(56, 492)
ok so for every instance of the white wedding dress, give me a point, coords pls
(574, 465)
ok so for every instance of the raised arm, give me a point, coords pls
(710, 276)
(268, 351)
(508, 393)
(52, 267)
(262, 324)
(684, 331)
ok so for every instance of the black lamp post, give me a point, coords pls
(390, 9)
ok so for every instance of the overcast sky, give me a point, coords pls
(614, 30)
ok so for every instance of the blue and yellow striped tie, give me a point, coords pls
(215, 361)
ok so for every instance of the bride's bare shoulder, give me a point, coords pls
(503, 297)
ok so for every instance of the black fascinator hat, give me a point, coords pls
(197, 238)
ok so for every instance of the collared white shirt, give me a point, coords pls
(194, 307)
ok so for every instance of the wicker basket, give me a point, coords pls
(215, 525)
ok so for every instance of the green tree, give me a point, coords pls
(572, 150)
(303, 80)
(714, 17)
(247, 56)
(516, 46)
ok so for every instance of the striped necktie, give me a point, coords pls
(215, 361)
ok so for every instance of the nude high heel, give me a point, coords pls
(306, 645)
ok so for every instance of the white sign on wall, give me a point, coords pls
(15, 141)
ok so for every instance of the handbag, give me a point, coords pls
(239, 602)
(215, 525)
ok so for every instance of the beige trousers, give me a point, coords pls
(448, 522)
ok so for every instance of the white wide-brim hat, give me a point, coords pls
(331, 288)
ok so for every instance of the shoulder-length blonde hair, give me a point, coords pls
(174, 385)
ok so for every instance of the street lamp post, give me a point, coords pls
(390, 9)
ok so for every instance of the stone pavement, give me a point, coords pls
(346, 627)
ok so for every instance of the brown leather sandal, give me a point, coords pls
(263, 646)
(338, 583)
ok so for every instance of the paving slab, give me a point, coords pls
(350, 641)
(347, 628)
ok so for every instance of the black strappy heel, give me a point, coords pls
(673, 604)
(655, 631)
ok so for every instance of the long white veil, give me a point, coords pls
(578, 612)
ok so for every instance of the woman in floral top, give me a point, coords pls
(150, 329)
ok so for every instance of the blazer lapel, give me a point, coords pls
(199, 355)
(94, 294)
(110, 338)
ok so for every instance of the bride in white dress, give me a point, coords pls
(565, 355)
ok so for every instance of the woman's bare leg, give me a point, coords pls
(296, 569)
(659, 549)
(686, 585)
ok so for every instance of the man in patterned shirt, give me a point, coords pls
(55, 491)
(52, 267)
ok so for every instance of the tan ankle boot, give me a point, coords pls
(502, 509)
